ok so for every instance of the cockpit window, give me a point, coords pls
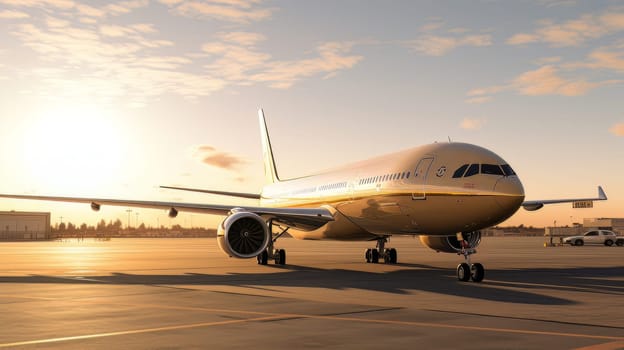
(472, 170)
(460, 171)
(491, 169)
(508, 170)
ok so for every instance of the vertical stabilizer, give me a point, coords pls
(270, 172)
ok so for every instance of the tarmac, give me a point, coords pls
(186, 294)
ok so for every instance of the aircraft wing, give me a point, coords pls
(300, 218)
(538, 204)
(221, 193)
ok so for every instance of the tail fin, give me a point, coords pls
(270, 172)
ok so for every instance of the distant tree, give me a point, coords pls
(142, 227)
(62, 226)
(101, 226)
(117, 225)
(83, 227)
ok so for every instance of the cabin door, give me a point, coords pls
(420, 178)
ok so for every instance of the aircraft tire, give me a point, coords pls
(391, 256)
(263, 258)
(374, 256)
(280, 259)
(477, 272)
(463, 272)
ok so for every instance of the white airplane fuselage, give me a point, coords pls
(412, 192)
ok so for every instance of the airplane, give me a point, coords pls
(445, 193)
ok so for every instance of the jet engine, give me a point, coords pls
(172, 213)
(450, 244)
(243, 235)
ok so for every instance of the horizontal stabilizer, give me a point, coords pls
(221, 193)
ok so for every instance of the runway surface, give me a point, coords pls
(185, 294)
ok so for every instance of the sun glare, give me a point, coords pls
(73, 149)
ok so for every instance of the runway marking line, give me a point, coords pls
(618, 341)
(138, 331)
(405, 323)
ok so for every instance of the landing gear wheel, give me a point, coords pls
(367, 255)
(463, 272)
(477, 272)
(263, 258)
(374, 256)
(280, 257)
(390, 256)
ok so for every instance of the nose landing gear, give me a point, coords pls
(389, 255)
(468, 270)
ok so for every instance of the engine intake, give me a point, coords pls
(450, 244)
(243, 235)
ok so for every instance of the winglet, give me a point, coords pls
(601, 194)
(270, 172)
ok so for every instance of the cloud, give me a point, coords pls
(617, 129)
(539, 82)
(545, 81)
(472, 123)
(8, 14)
(225, 10)
(437, 45)
(213, 157)
(573, 32)
(478, 100)
(83, 51)
(606, 59)
(238, 60)
(62, 4)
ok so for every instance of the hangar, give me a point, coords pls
(24, 226)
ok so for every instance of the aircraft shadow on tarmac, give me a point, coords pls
(500, 285)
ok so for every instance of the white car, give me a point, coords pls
(605, 237)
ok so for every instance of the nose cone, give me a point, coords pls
(509, 194)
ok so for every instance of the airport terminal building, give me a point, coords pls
(24, 226)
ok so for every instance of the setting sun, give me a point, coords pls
(75, 147)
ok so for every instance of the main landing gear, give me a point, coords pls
(389, 255)
(278, 255)
(467, 270)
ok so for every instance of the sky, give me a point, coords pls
(112, 99)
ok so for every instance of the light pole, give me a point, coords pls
(129, 211)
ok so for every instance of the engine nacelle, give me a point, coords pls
(243, 235)
(172, 213)
(450, 244)
(95, 206)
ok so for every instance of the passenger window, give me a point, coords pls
(472, 170)
(491, 169)
(460, 171)
(592, 233)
